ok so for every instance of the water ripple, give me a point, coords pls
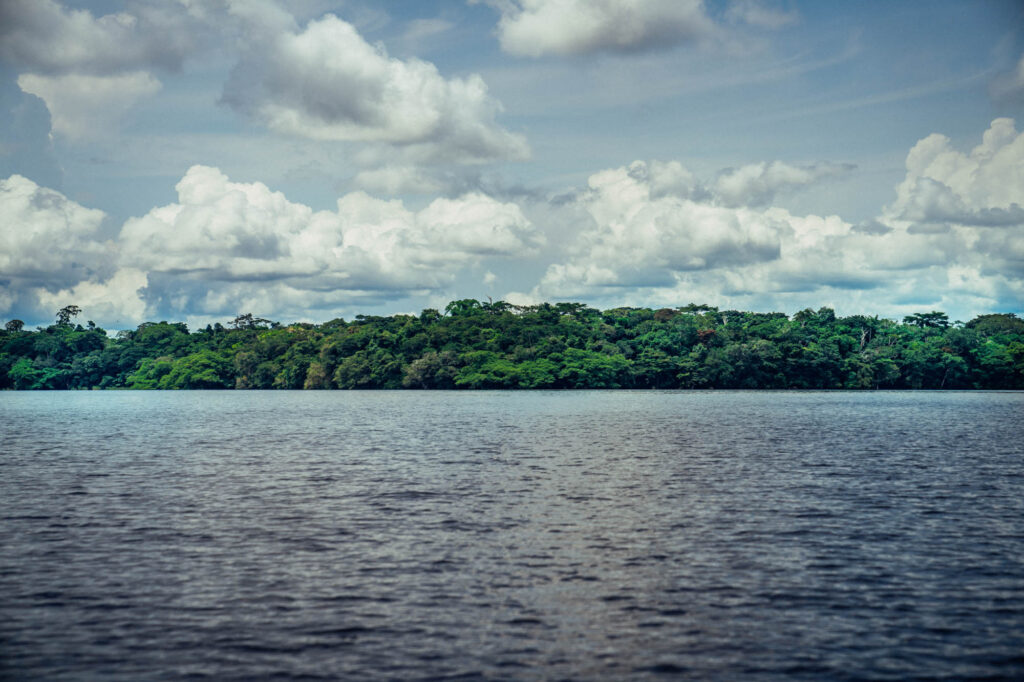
(546, 535)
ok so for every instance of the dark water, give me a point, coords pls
(587, 535)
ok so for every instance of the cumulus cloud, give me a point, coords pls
(52, 254)
(228, 246)
(757, 184)
(223, 241)
(89, 70)
(974, 200)
(327, 83)
(984, 187)
(638, 238)
(665, 179)
(115, 300)
(647, 233)
(956, 229)
(47, 239)
(46, 38)
(83, 106)
(533, 28)
(321, 81)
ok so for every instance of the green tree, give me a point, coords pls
(65, 314)
(203, 370)
(934, 319)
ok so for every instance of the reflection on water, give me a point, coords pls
(511, 535)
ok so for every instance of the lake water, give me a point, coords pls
(527, 535)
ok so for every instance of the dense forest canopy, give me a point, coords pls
(474, 344)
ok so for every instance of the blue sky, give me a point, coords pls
(196, 159)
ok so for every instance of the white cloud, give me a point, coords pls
(534, 28)
(84, 106)
(327, 83)
(639, 238)
(953, 239)
(90, 70)
(226, 247)
(47, 239)
(477, 225)
(114, 300)
(757, 184)
(51, 255)
(983, 188)
(46, 38)
(224, 242)
(665, 179)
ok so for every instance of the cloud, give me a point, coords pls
(223, 242)
(46, 38)
(757, 184)
(983, 188)
(327, 83)
(954, 231)
(90, 70)
(666, 179)
(227, 246)
(321, 81)
(115, 299)
(48, 240)
(84, 106)
(533, 28)
(51, 255)
(638, 238)
(975, 201)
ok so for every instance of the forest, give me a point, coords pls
(497, 345)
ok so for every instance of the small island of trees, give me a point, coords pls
(492, 345)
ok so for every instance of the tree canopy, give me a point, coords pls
(490, 345)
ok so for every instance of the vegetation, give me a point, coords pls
(473, 345)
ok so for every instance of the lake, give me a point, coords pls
(511, 535)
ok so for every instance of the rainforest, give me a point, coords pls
(496, 345)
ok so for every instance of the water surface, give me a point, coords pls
(520, 535)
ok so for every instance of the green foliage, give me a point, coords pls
(150, 372)
(204, 369)
(497, 345)
(26, 375)
(933, 319)
(992, 325)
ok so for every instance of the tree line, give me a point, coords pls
(491, 345)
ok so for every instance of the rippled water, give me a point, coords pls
(541, 535)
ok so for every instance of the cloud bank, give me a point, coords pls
(648, 233)
(657, 235)
(225, 246)
(322, 82)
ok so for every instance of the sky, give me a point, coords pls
(193, 160)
